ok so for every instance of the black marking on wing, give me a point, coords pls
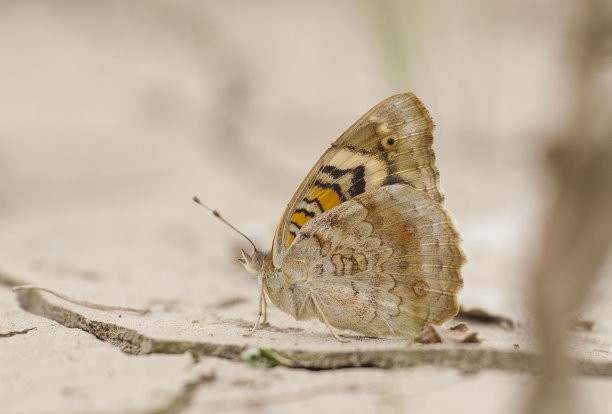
(334, 172)
(357, 182)
(314, 200)
(306, 212)
(394, 179)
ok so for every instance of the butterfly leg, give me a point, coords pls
(262, 310)
(265, 309)
(309, 295)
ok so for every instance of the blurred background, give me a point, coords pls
(114, 114)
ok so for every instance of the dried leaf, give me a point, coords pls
(457, 334)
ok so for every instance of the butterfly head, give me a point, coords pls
(254, 263)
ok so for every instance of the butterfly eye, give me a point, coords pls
(388, 142)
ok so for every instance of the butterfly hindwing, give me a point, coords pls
(389, 257)
(391, 143)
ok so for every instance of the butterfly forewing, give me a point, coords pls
(392, 143)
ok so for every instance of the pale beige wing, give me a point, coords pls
(387, 262)
(392, 143)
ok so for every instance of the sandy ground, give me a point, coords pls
(112, 117)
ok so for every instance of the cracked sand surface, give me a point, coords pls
(319, 353)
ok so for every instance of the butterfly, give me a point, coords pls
(365, 243)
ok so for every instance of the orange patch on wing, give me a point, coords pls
(407, 231)
(300, 218)
(328, 198)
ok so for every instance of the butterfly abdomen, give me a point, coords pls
(287, 293)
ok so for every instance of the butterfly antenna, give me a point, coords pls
(217, 215)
